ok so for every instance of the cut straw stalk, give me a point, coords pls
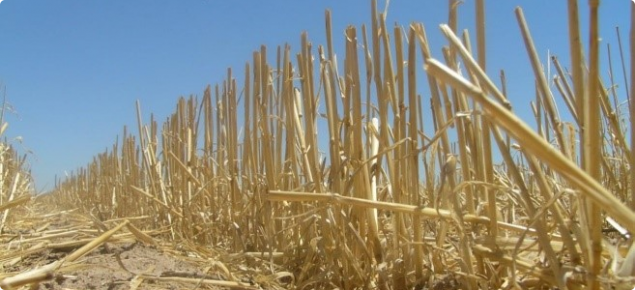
(94, 243)
(14, 187)
(592, 142)
(199, 281)
(291, 196)
(535, 145)
(373, 134)
(30, 277)
(15, 202)
(542, 84)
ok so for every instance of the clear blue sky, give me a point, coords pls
(73, 69)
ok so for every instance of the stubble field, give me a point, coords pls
(382, 168)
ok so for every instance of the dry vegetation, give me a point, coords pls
(320, 174)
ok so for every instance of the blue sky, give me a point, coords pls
(73, 69)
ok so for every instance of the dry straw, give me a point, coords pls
(346, 174)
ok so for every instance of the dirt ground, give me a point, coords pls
(122, 262)
(115, 266)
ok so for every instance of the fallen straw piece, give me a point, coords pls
(278, 195)
(94, 244)
(33, 276)
(15, 202)
(231, 284)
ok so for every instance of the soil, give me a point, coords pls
(115, 264)
(114, 267)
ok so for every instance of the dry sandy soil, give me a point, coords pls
(30, 241)
(114, 266)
